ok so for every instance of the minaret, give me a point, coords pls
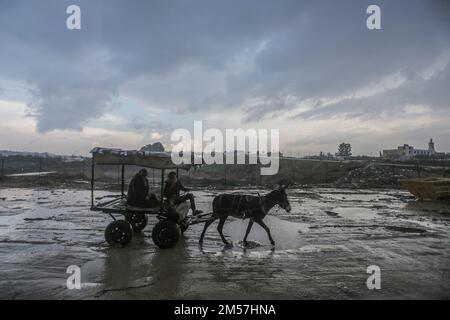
(431, 147)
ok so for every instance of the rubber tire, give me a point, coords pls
(118, 233)
(138, 221)
(166, 234)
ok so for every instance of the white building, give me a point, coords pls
(407, 152)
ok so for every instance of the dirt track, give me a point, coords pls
(323, 248)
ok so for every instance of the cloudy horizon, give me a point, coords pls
(138, 70)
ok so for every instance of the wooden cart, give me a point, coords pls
(171, 224)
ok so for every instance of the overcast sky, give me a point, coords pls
(139, 69)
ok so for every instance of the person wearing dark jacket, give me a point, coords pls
(172, 193)
(138, 191)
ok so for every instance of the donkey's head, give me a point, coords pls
(280, 198)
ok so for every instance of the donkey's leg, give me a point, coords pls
(220, 227)
(207, 224)
(262, 224)
(249, 227)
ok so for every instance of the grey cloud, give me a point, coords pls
(415, 90)
(270, 107)
(341, 57)
(141, 48)
(155, 126)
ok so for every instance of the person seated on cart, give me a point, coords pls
(172, 193)
(138, 192)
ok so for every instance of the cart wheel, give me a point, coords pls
(166, 234)
(137, 220)
(118, 233)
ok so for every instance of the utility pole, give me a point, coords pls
(293, 172)
(40, 170)
(225, 168)
(82, 173)
(3, 167)
(444, 168)
(418, 169)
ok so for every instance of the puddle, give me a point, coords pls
(356, 214)
(30, 174)
(329, 236)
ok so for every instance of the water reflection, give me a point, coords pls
(168, 268)
(142, 266)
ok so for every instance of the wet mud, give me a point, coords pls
(323, 248)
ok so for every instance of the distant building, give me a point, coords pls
(407, 152)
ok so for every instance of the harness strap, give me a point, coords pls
(237, 208)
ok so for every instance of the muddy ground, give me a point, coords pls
(322, 250)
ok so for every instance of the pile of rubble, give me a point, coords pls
(372, 175)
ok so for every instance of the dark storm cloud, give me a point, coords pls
(415, 90)
(204, 56)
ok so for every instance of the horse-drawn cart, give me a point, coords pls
(171, 223)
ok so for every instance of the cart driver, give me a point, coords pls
(138, 191)
(172, 193)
